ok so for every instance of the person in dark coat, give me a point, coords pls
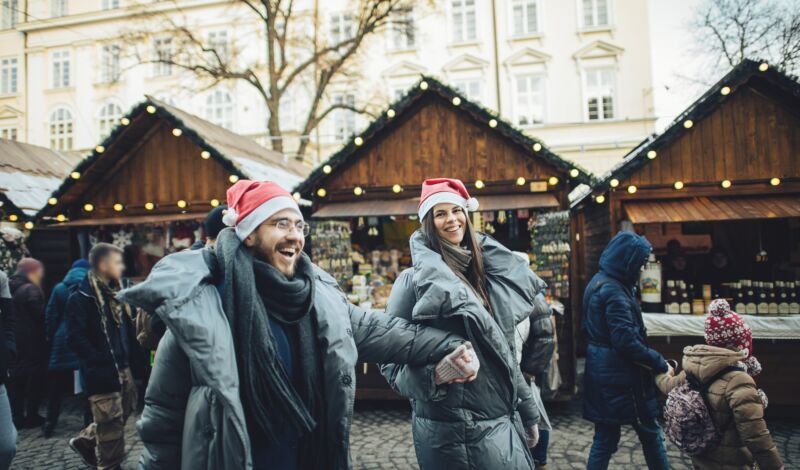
(212, 225)
(8, 349)
(100, 331)
(619, 386)
(469, 284)
(256, 369)
(63, 361)
(28, 370)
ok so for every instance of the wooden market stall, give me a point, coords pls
(718, 196)
(149, 184)
(365, 199)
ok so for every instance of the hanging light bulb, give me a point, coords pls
(233, 178)
(205, 154)
(678, 185)
(397, 188)
(600, 199)
(88, 207)
(358, 141)
(775, 181)
(296, 196)
(28, 225)
(177, 132)
(520, 181)
(632, 189)
(456, 101)
(493, 123)
(327, 169)
(423, 84)
(358, 191)
(13, 217)
(725, 91)
(574, 173)
(763, 66)
(651, 154)
(537, 146)
(151, 109)
(688, 123)
(75, 175)
(390, 113)
(149, 206)
(479, 184)
(321, 192)
(726, 184)
(214, 202)
(182, 204)
(124, 121)
(552, 181)
(61, 218)
(118, 207)
(614, 183)
(99, 149)
(52, 201)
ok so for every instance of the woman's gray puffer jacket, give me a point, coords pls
(477, 425)
(193, 417)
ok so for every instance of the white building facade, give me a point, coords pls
(574, 73)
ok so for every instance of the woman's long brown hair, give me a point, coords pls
(475, 276)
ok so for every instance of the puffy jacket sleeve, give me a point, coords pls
(161, 424)
(624, 333)
(748, 414)
(415, 382)
(526, 405)
(665, 383)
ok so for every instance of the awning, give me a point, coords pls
(131, 220)
(713, 209)
(383, 207)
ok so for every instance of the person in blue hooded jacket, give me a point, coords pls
(63, 362)
(619, 385)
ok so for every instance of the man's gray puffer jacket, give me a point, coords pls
(193, 417)
(477, 425)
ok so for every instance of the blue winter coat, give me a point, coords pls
(61, 356)
(619, 385)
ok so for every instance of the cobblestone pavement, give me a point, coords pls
(381, 439)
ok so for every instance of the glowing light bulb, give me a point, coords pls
(321, 192)
(177, 132)
(552, 181)
(88, 207)
(614, 183)
(397, 188)
(99, 149)
(205, 154)
(214, 202)
(327, 169)
(775, 181)
(725, 91)
(182, 204)
(678, 185)
(233, 178)
(688, 123)
(390, 113)
(456, 101)
(151, 109)
(149, 206)
(118, 207)
(358, 191)
(726, 184)
(632, 189)
(600, 199)
(537, 146)
(520, 181)
(52, 201)
(574, 173)
(479, 184)
(358, 141)
(75, 175)
(493, 123)
(651, 154)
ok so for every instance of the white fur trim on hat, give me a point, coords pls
(264, 212)
(229, 217)
(446, 197)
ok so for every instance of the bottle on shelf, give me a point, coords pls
(783, 298)
(650, 285)
(750, 298)
(686, 303)
(739, 305)
(698, 304)
(794, 298)
(772, 297)
(672, 302)
(763, 301)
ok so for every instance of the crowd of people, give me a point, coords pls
(257, 346)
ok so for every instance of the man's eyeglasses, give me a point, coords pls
(286, 225)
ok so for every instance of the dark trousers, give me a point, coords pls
(539, 453)
(25, 395)
(606, 438)
(59, 383)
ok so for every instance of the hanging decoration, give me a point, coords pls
(121, 238)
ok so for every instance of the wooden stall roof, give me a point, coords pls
(429, 90)
(29, 173)
(712, 209)
(386, 207)
(745, 127)
(235, 154)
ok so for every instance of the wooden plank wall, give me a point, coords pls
(162, 170)
(438, 140)
(749, 136)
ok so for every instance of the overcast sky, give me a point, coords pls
(671, 45)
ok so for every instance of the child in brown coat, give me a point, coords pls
(735, 404)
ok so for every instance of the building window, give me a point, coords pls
(110, 4)
(8, 76)
(472, 89)
(402, 28)
(219, 109)
(9, 13)
(525, 16)
(61, 69)
(600, 91)
(344, 120)
(596, 13)
(107, 119)
(61, 129)
(463, 19)
(218, 46)
(58, 8)
(8, 133)
(162, 54)
(109, 68)
(341, 27)
(529, 100)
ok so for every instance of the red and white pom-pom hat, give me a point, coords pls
(252, 202)
(444, 190)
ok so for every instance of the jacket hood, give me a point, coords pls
(75, 276)
(624, 257)
(704, 361)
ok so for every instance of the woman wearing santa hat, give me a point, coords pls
(466, 283)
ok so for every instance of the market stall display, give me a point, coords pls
(551, 251)
(12, 249)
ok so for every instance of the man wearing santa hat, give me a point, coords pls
(256, 369)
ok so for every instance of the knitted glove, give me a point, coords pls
(763, 397)
(459, 364)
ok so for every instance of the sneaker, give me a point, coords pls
(85, 449)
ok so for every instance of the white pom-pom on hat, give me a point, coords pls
(472, 204)
(229, 217)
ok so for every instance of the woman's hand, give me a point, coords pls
(459, 366)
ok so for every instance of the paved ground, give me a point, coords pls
(381, 439)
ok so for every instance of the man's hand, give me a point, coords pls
(459, 366)
(532, 436)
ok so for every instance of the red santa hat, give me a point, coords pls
(252, 202)
(725, 328)
(444, 191)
